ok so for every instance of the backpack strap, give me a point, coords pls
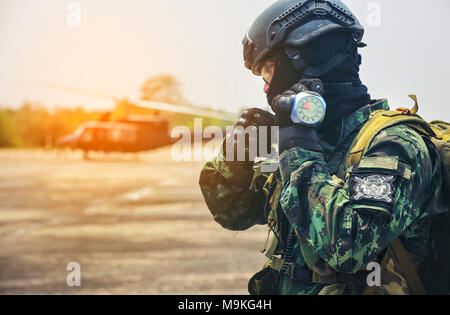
(380, 120)
(404, 262)
(408, 269)
(441, 129)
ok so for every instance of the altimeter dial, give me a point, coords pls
(309, 109)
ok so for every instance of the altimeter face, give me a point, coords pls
(308, 109)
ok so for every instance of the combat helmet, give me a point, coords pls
(290, 24)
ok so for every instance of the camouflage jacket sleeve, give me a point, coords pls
(348, 223)
(234, 200)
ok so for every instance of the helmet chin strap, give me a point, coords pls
(314, 72)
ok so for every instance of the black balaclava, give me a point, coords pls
(344, 91)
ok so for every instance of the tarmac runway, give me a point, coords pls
(135, 226)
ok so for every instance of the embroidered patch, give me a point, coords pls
(374, 187)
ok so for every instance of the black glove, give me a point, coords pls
(291, 134)
(253, 118)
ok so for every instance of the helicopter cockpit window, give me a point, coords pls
(114, 135)
(122, 135)
(88, 135)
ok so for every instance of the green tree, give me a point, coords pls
(8, 131)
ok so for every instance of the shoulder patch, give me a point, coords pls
(373, 187)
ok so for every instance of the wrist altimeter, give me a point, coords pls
(309, 109)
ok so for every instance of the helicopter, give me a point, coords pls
(131, 134)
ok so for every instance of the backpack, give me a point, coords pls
(438, 260)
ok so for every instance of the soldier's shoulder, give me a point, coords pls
(402, 134)
(404, 142)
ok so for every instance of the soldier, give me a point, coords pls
(329, 220)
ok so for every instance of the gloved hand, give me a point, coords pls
(291, 134)
(252, 118)
(282, 104)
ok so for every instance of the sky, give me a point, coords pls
(118, 44)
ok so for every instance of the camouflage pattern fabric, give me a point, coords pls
(343, 219)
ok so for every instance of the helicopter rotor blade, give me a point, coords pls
(180, 109)
(186, 110)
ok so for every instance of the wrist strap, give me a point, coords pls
(299, 136)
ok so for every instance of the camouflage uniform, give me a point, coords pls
(339, 224)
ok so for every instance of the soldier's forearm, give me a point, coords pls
(226, 191)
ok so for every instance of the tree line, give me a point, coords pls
(33, 125)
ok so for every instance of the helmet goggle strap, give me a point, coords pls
(315, 72)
